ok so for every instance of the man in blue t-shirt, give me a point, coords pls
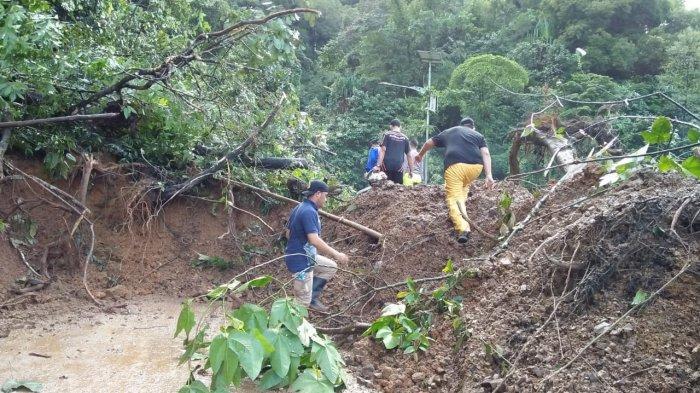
(311, 271)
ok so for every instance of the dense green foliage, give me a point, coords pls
(502, 59)
(630, 48)
(276, 349)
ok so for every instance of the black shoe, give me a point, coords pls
(316, 305)
(463, 237)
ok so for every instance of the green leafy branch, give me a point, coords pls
(661, 133)
(276, 349)
(405, 325)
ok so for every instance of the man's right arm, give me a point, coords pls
(324, 248)
(429, 144)
(486, 156)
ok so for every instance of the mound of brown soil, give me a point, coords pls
(574, 268)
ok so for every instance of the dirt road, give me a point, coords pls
(130, 352)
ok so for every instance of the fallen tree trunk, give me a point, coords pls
(4, 142)
(277, 163)
(371, 232)
(560, 147)
(60, 119)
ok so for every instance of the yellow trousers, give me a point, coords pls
(457, 180)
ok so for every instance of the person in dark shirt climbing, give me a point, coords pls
(466, 155)
(394, 148)
(310, 270)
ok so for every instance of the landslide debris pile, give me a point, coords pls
(566, 277)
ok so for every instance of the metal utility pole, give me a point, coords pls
(430, 57)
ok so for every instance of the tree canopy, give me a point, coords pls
(190, 81)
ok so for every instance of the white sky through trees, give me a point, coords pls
(692, 4)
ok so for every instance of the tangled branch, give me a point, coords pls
(204, 43)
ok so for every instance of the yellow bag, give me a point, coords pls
(411, 179)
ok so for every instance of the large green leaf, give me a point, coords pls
(229, 368)
(667, 163)
(307, 332)
(250, 352)
(294, 369)
(217, 352)
(253, 316)
(640, 297)
(660, 131)
(194, 387)
(185, 322)
(392, 340)
(271, 380)
(254, 283)
(692, 165)
(280, 359)
(283, 312)
(222, 289)
(328, 358)
(296, 348)
(312, 380)
(693, 135)
(383, 332)
(264, 342)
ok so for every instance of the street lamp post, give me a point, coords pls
(430, 57)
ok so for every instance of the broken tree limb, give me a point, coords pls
(176, 189)
(348, 329)
(60, 119)
(471, 223)
(562, 150)
(513, 163)
(79, 209)
(85, 180)
(519, 226)
(276, 163)
(371, 232)
(599, 159)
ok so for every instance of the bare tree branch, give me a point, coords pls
(60, 119)
(684, 147)
(176, 189)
